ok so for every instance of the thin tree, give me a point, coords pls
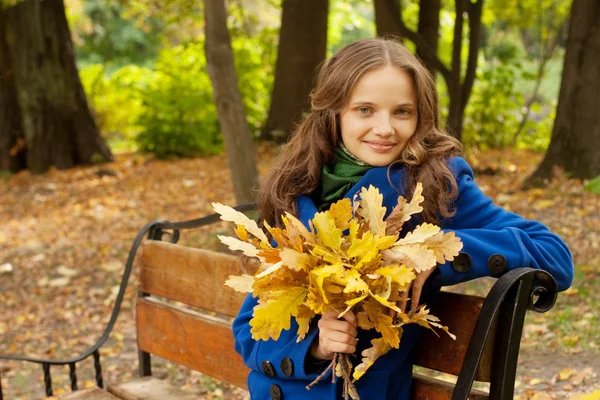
(45, 120)
(302, 47)
(386, 18)
(230, 109)
(576, 134)
(459, 88)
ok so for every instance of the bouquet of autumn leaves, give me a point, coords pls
(349, 259)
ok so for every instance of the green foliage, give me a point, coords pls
(116, 99)
(349, 20)
(593, 185)
(169, 110)
(255, 66)
(492, 114)
(178, 116)
(104, 36)
(495, 110)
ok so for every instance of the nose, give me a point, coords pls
(383, 126)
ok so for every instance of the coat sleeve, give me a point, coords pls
(496, 241)
(257, 352)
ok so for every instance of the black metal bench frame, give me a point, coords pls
(511, 296)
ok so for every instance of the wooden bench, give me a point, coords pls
(184, 314)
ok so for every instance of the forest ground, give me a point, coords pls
(65, 235)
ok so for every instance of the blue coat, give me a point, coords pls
(495, 241)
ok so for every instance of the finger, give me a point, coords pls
(418, 287)
(339, 337)
(392, 313)
(351, 318)
(338, 347)
(416, 294)
(330, 314)
(403, 300)
(337, 325)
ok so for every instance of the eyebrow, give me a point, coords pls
(368, 103)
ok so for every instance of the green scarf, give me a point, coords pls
(338, 177)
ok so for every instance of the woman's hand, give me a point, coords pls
(335, 335)
(417, 288)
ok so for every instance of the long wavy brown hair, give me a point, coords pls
(297, 169)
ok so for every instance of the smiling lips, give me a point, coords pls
(379, 146)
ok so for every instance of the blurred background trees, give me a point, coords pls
(142, 64)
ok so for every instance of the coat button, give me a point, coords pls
(287, 366)
(497, 264)
(462, 262)
(268, 369)
(276, 392)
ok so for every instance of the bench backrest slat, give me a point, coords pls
(427, 388)
(190, 339)
(459, 312)
(191, 276)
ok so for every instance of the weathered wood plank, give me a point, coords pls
(427, 388)
(149, 388)
(198, 341)
(458, 312)
(88, 394)
(191, 276)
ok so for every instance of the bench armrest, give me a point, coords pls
(511, 296)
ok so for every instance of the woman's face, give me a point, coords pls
(381, 116)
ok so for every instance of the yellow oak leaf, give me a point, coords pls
(295, 260)
(383, 324)
(403, 210)
(351, 303)
(327, 232)
(419, 234)
(363, 321)
(229, 214)
(445, 246)
(241, 232)
(385, 242)
(303, 327)
(315, 300)
(270, 256)
(358, 247)
(273, 316)
(379, 348)
(323, 273)
(242, 283)
(279, 235)
(415, 256)
(385, 302)
(354, 282)
(341, 211)
(327, 255)
(353, 230)
(237, 245)
(270, 269)
(372, 209)
(295, 227)
(400, 274)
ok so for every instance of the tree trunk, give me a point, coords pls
(576, 134)
(459, 89)
(429, 24)
(44, 116)
(302, 47)
(387, 16)
(230, 109)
